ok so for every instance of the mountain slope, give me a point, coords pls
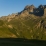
(29, 23)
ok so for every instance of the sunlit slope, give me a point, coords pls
(30, 23)
(5, 31)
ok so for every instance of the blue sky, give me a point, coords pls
(13, 6)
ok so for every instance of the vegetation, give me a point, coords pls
(24, 24)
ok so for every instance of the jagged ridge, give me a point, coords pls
(29, 23)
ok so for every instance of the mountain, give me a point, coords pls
(30, 23)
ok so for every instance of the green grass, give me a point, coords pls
(22, 28)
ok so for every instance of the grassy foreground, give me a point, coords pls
(21, 42)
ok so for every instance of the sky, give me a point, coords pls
(13, 6)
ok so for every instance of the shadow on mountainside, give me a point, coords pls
(38, 12)
(33, 10)
(21, 42)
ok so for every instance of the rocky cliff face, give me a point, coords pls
(30, 23)
(31, 9)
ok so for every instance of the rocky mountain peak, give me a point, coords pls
(29, 8)
(41, 6)
(29, 23)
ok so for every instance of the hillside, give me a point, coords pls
(30, 23)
